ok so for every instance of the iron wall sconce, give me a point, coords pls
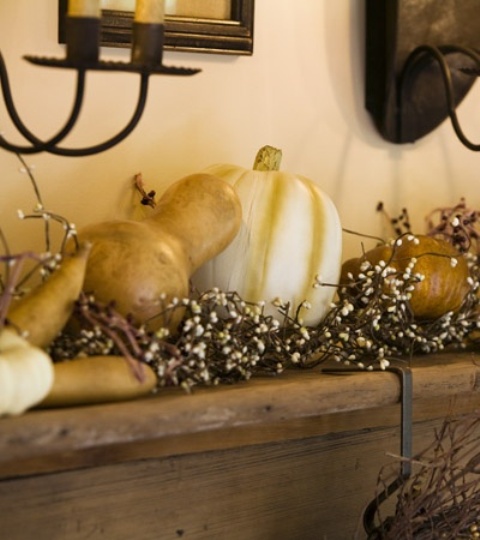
(421, 60)
(82, 55)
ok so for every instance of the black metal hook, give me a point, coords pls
(406, 445)
(439, 54)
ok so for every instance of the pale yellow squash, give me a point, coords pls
(98, 379)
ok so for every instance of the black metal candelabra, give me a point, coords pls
(83, 39)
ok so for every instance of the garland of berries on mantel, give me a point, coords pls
(224, 339)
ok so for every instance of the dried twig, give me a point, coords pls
(148, 198)
(441, 500)
(457, 224)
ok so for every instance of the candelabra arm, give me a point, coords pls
(51, 146)
(88, 151)
(39, 146)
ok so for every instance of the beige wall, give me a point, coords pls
(302, 90)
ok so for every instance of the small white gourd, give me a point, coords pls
(26, 374)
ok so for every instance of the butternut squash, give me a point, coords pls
(143, 265)
(97, 379)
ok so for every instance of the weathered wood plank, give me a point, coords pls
(251, 406)
(314, 488)
(290, 458)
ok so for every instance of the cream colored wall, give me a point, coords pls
(302, 90)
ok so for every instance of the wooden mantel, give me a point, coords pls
(287, 449)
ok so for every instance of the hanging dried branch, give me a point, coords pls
(14, 278)
(441, 499)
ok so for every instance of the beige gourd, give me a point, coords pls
(137, 265)
(143, 265)
(26, 370)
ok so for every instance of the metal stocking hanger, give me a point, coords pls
(404, 374)
(422, 58)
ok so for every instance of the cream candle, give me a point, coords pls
(149, 11)
(84, 8)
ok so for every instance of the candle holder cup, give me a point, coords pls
(83, 40)
(147, 44)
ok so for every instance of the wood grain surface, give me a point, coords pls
(285, 458)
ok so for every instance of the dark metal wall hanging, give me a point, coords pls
(229, 36)
(82, 56)
(421, 61)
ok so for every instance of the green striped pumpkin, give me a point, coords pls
(290, 234)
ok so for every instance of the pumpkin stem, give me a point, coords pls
(268, 158)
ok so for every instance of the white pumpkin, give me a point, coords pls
(291, 233)
(26, 374)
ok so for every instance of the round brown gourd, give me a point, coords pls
(444, 286)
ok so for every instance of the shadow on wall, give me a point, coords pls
(345, 51)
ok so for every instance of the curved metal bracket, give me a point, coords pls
(404, 374)
(82, 56)
(421, 61)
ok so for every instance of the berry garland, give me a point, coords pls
(224, 339)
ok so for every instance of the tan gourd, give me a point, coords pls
(42, 314)
(142, 265)
(97, 379)
(28, 377)
(26, 371)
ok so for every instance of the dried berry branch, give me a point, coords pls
(13, 276)
(400, 224)
(457, 224)
(222, 338)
